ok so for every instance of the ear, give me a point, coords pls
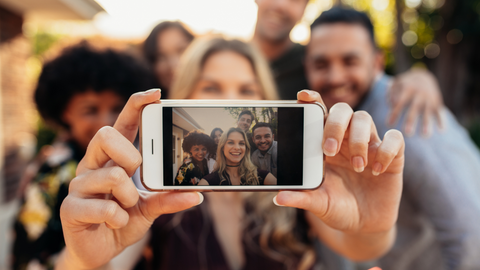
(379, 61)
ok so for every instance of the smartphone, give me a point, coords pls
(231, 145)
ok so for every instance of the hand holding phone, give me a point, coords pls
(104, 213)
(359, 199)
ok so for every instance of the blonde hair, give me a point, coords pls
(273, 226)
(193, 59)
(246, 170)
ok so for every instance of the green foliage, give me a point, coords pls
(43, 41)
(45, 135)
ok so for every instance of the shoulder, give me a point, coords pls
(187, 165)
(213, 178)
(262, 173)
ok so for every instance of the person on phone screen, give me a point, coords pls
(353, 211)
(438, 220)
(265, 157)
(244, 122)
(197, 144)
(215, 135)
(234, 166)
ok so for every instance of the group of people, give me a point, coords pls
(239, 157)
(83, 211)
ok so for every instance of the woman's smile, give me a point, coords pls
(234, 149)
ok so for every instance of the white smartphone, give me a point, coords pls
(231, 145)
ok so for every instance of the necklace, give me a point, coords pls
(233, 165)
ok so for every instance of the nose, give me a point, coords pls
(230, 94)
(280, 5)
(106, 119)
(336, 75)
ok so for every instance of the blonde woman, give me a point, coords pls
(196, 80)
(234, 166)
(353, 212)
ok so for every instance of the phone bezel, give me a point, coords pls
(151, 133)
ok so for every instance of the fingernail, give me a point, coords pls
(200, 198)
(377, 168)
(358, 164)
(148, 92)
(427, 132)
(275, 201)
(304, 90)
(330, 147)
(409, 130)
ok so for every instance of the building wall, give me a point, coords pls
(17, 111)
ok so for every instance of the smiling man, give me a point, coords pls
(275, 21)
(438, 217)
(265, 157)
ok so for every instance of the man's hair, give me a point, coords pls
(80, 69)
(262, 124)
(245, 112)
(348, 16)
(197, 137)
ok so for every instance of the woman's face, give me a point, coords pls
(227, 75)
(87, 112)
(198, 152)
(171, 44)
(234, 149)
(218, 134)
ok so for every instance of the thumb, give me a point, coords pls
(170, 202)
(312, 200)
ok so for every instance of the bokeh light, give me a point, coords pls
(454, 36)
(409, 38)
(432, 50)
(413, 3)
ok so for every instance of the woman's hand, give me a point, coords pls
(104, 212)
(416, 90)
(357, 204)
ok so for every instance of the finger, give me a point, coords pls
(127, 122)
(112, 180)
(307, 200)
(427, 125)
(394, 90)
(79, 211)
(404, 97)
(309, 96)
(169, 202)
(361, 133)
(440, 117)
(411, 119)
(391, 147)
(109, 144)
(335, 127)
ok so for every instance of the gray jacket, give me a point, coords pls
(439, 218)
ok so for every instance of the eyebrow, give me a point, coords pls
(323, 57)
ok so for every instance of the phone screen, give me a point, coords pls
(209, 142)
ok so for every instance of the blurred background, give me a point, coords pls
(441, 35)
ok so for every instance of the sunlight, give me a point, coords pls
(135, 19)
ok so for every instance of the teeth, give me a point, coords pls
(340, 92)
